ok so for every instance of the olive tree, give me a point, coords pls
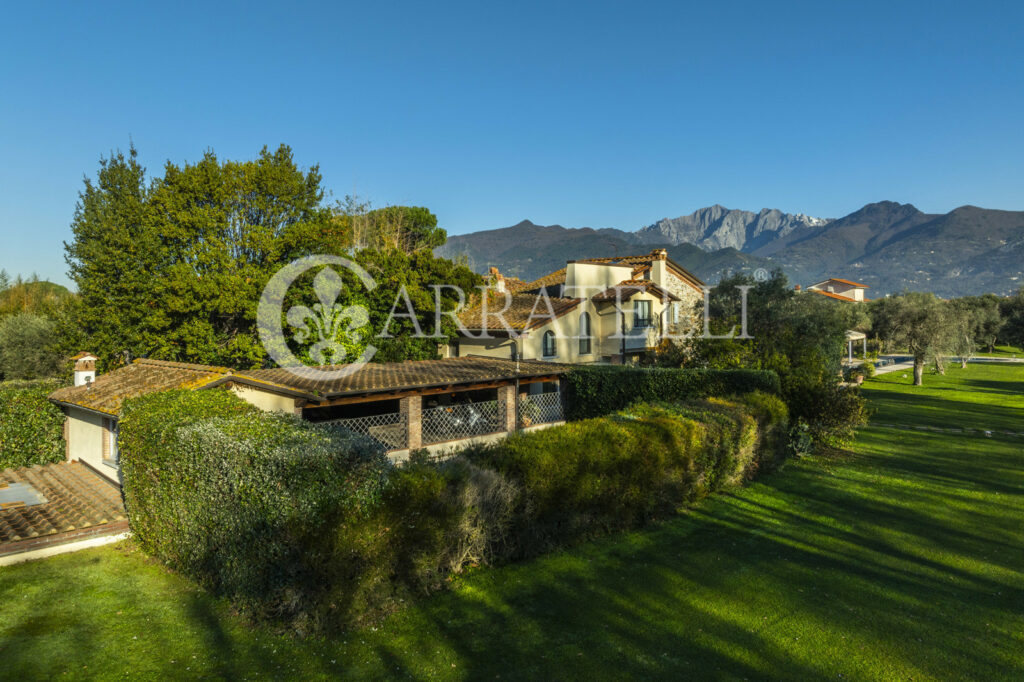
(919, 322)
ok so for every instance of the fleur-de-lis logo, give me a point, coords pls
(328, 323)
(330, 320)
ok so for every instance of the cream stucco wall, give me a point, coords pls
(264, 400)
(85, 441)
(584, 280)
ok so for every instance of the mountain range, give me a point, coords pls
(889, 246)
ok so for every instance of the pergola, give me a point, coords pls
(852, 336)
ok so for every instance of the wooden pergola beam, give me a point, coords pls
(380, 396)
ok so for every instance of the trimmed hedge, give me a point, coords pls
(303, 526)
(592, 477)
(596, 390)
(247, 503)
(31, 427)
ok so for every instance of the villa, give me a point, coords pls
(610, 310)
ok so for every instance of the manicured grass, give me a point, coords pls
(1003, 352)
(900, 562)
(983, 396)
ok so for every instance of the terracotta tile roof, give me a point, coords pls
(75, 498)
(393, 376)
(108, 391)
(629, 287)
(520, 314)
(514, 284)
(846, 281)
(555, 278)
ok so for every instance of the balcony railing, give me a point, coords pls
(465, 420)
(642, 338)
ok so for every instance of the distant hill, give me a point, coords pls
(529, 251)
(718, 227)
(887, 245)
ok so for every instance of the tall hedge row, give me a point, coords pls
(31, 427)
(307, 527)
(595, 476)
(595, 390)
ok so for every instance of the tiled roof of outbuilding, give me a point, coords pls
(394, 376)
(75, 497)
(108, 391)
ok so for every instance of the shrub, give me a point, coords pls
(308, 527)
(772, 416)
(832, 412)
(592, 391)
(248, 503)
(31, 427)
(595, 476)
(868, 369)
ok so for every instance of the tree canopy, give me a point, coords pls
(173, 267)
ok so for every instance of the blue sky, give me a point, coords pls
(597, 114)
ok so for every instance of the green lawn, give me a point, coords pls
(986, 396)
(1003, 352)
(901, 562)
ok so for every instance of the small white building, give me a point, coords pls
(840, 289)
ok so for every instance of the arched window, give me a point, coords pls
(550, 350)
(585, 334)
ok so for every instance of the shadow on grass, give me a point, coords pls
(945, 411)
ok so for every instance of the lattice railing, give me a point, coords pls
(390, 430)
(465, 420)
(540, 408)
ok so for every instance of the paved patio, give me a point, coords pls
(55, 504)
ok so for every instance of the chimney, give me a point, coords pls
(85, 368)
(659, 254)
(498, 280)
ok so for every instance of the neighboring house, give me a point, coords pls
(592, 310)
(844, 290)
(840, 289)
(433, 404)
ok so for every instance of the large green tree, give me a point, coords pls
(225, 228)
(115, 260)
(174, 268)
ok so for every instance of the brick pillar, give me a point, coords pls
(507, 399)
(412, 407)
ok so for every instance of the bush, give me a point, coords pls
(592, 391)
(832, 413)
(247, 503)
(305, 526)
(31, 427)
(595, 476)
